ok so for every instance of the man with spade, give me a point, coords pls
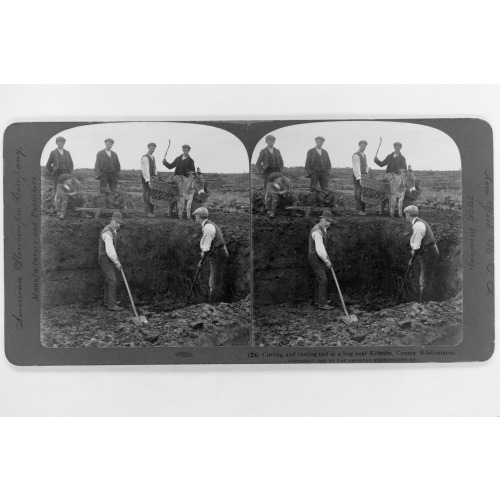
(108, 260)
(423, 243)
(213, 246)
(318, 259)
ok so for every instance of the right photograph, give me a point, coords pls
(357, 236)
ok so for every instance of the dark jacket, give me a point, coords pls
(181, 168)
(58, 163)
(105, 164)
(264, 160)
(317, 163)
(394, 165)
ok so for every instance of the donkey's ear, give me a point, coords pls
(409, 167)
(198, 170)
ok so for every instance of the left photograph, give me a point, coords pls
(145, 237)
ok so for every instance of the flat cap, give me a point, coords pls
(60, 139)
(398, 144)
(327, 215)
(362, 142)
(270, 137)
(152, 144)
(411, 209)
(202, 211)
(117, 216)
(273, 176)
(186, 146)
(319, 138)
(109, 140)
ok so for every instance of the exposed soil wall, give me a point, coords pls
(368, 254)
(159, 256)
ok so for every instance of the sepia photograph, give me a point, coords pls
(144, 237)
(357, 236)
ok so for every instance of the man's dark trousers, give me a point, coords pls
(108, 178)
(217, 259)
(322, 176)
(320, 272)
(358, 189)
(428, 260)
(111, 282)
(146, 194)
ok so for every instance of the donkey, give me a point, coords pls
(396, 189)
(188, 186)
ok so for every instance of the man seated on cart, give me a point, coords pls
(279, 191)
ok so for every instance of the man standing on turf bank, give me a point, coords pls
(107, 167)
(318, 259)
(108, 260)
(269, 160)
(212, 245)
(148, 167)
(359, 172)
(60, 162)
(318, 165)
(423, 243)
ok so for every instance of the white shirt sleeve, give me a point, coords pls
(418, 234)
(320, 247)
(207, 238)
(356, 167)
(145, 168)
(110, 248)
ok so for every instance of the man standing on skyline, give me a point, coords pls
(107, 167)
(318, 165)
(148, 167)
(60, 162)
(269, 160)
(359, 172)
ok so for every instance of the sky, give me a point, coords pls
(212, 149)
(424, 148)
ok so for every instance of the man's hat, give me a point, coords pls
(362, 142)
(398, 144)
(186, 146)
(202, 211)
(109, 140)
(411, 209)
(152, 144)
(270, 137)
(273, 176)
(60, 138)
(320, 138)
(117, 216)
(327, 215)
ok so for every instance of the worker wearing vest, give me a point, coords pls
(359, 172)
(318, 259)
(318, 166)
(423, 242)
(270, 160)
(212, 245)
(107, 167)
(108, 260)
(148, 167)
(60, 162)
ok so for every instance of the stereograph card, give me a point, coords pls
(297, 241)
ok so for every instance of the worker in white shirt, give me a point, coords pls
(213, 246)
(108, 260)
(148, 167)
(423, 243)
(359, 173)
(319, 260)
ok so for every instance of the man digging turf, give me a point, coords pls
(318, 165)
(148, 167)
(359, 173)
(69, 193)
(107, 167)
(108, 260)
(269, 160)
(279, 188)
(60, 162)
(423, 243)
(213, 245)
(319, 261)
